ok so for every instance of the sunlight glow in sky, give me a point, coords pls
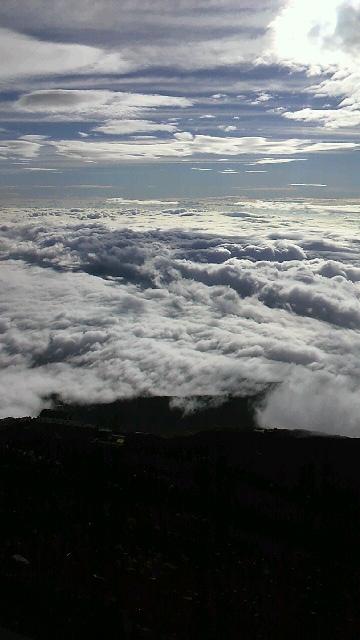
(304, 31)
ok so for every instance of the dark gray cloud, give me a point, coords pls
(45, 100)
(348, 27)
(135, 19)
(103, 36)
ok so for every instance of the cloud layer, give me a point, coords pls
(96, 309)
(180, 145)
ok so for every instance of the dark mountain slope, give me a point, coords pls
(220, 534)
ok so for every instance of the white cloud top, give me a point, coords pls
(96, 309)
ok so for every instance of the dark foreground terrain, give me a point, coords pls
(226, 534)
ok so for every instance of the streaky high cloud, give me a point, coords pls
(188, 145)
(277, 161)
(124, 127)
(95, 104)
(140, 35)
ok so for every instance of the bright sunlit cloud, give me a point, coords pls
(305, 33)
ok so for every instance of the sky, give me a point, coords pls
(200, 98)
(180, 205)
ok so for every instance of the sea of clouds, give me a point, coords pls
(184, 298)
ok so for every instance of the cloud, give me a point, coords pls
(332, 269)
(155, 13)
(190, 35)
(323, 40)
(261, 98)
(89, 310)
(146, 45)
(20, 148)
(127, 255)
(28, 56)
(41, 169)
(332, 404)
(329, 118)
(61, 100)
(276, 161)
(126, 127)
(184, 145)
(141, 202)
(304, 33)
(227, 128)
(347, 27)
(98, 104)
(139, 36)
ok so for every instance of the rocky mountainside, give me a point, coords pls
(111, 531)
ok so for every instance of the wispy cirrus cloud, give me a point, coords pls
(181, 145)
(184, 145)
